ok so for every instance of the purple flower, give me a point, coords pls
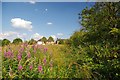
(28, 55)
(45, 49)
(31, 67)
(19, 57)
(34, 50)
(39, 68)
(8, 54)
(44, 61)
(21, 50)
(20, 67)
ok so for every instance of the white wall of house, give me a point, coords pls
(39, 42)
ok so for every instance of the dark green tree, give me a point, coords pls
(5, 42)
(44, 39)
(102, 23)
(50, 39)
(17, 41)
(32, 41)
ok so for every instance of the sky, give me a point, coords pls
(28, 20)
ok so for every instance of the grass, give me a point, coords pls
(57, 61)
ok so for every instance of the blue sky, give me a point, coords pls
(35, 20)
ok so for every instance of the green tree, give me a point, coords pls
(5, 42)
(17, 41)
(102, 22)
(32, 41)
(44, 39)
(50, 39)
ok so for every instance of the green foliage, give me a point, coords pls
(96, 46)
(44, 39)
(77, 38)
(32, 41)
(5, 42)
(100, 21)
(50, 39)
(0, 42)
(17, 41)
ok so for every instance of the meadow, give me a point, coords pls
(36, 61)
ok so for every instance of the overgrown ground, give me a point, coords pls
(31, 61)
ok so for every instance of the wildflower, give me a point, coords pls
(20, 67)
(44, 61)
(39, 68)
(19, 57)
(45, 50)
(8, 54)
(28, 55)
(31, 67)
(21, 50)
(34, 50)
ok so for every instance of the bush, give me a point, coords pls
(5, 42)
(17, 41)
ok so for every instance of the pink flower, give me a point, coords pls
(8, 54)
(45, 49)
(44, 61)
(20, 67)
(19, 57)
(28, 55)
(39, 68)
(21, 50)
(31, 67)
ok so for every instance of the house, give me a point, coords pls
(50, 42)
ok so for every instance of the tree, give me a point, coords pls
(44, 39)
(17, 41)
(50, 39)
(101, 23)
(32, 41)
(5, 42)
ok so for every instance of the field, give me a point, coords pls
(36, 61)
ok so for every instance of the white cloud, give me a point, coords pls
(12, 35)
(36, 36)
(32, 1)
(8, 35)
(21, 23)
(46, 9)
(49, 23)
(60, 34)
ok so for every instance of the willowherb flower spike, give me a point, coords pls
(20, 67)
(44, 61)
(28, 55)
(39, 68)
(31, 67)
(45, 50)
(19, 57)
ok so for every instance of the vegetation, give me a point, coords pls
(96, 46)
(5, 42)
(92, 53)
(17, 41)
(32, 41)
(50, 39)
(44, 39)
